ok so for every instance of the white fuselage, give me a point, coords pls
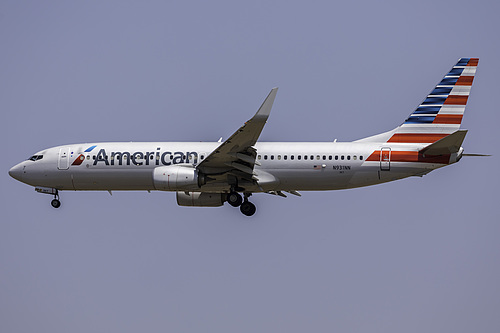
(284, 166)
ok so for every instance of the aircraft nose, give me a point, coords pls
(16, 172)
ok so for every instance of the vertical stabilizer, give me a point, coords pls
(441, 112)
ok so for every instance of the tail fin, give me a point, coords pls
(441, 112)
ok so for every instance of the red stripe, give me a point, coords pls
(465, 81)
(473, 62)
(456, 100)
(78, 160)
(410, 156)
(416, 137)
(448, 119)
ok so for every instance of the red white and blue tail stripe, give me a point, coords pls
(440, 114)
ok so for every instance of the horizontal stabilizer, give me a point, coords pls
(448, 145)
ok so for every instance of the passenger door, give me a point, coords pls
(63, 161)
(385, 159)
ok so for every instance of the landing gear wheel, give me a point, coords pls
(247, 208)
(55, 203)
(234, 199)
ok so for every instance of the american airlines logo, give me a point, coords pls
(139, 158)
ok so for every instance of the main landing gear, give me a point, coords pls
(246, 207)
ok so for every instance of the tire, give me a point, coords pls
(55, 203)
(234, 199)
(247, 208)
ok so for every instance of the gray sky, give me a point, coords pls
(417, 255)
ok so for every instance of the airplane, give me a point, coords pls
(208, 174)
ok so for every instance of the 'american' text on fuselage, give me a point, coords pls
(140, 158)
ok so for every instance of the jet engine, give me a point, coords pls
(177, 178)
(200, 199)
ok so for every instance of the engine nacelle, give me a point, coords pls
(200, 199)
(177, 178)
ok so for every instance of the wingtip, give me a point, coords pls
(265, 108)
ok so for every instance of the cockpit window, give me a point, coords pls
(35, 157)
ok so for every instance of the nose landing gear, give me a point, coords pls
(55, 202)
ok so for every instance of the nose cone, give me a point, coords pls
(16, 172)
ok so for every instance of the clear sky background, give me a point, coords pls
(417, 255)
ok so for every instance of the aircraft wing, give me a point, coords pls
(237, 154)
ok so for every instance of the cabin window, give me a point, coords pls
(203, 156)
(279, 157)
(284, 157)
(348, 157)
(354, 157)
(265, 157)
(259, 157)
(299, 157)
(336, 157)
(330, 157)
(342, 157)
(291, 157)
(305, 157)
(88, 157)
(272, 157)
(312, 157)
(361, 157)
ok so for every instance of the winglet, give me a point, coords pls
(265, 108)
